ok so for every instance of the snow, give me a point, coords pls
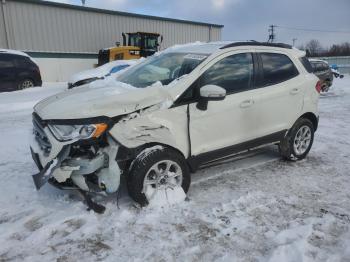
(13, 52)
(253, 208)
(165, 198)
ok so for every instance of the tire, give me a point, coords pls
(297, 144)
(26, 83)
(147, 161)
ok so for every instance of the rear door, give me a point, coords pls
(7, 72)
(279, 93)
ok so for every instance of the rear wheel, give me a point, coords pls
(156, 169)
(298, 141)
(26, 83)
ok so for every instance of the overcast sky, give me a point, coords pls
(249, 19)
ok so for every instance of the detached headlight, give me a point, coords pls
(71, 132)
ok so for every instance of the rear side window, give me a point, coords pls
(277, 68)
(233, 73)
(6, 61)
(325, 66)
(306, 63)
(321, 66)
(23, 62)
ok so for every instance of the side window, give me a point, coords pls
(319, 67)
(22, 62)
(325, 66)
(234, 73)
(277, 68)
(6, 61)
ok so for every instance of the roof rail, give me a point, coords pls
(255, 43)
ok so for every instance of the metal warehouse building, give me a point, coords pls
(65, 39)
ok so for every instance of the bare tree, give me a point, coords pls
(314, 47)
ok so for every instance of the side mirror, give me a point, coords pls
(210, 93)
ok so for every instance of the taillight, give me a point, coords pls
(318, 86)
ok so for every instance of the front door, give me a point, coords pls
(230, 121)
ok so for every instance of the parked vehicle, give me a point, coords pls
(173, 113)
(335, 71)
(17, 71)
(88, 76)
(324, 73)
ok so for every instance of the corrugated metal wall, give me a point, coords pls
(44, 28)
(3, 41)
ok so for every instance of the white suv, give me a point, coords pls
(174, 112)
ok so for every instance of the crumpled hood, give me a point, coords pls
(90, 101)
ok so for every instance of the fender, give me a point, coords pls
(166, 126)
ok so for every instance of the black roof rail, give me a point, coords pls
(255, 43)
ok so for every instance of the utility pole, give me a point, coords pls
(272, 35)
(83, 2)
(294, 40)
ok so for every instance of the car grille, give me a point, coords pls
(40, 136)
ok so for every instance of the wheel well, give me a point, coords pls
(312, 117)
(127, 155)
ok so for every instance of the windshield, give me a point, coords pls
(164, 68)
(151, 42)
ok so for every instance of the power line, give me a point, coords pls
(313, 30)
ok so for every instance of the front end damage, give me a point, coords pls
(87, 165)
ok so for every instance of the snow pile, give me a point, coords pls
(165, 197)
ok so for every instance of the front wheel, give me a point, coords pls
(298, 141)
(157, 169)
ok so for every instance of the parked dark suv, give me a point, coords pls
(324, 73)
(17, 71)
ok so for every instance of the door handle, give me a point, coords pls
(294, 91)
(247, 103)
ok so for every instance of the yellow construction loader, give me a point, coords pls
(135, 45)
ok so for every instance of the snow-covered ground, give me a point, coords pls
(254, 208)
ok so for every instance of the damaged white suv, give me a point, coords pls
(174, 112)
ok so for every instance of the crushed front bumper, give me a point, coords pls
(46, 172)
(56, 161)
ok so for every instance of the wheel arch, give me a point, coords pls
(126, 156)
(312, 117)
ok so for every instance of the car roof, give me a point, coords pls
(13, 52)
(197, 47)
(212, 47)
(16, 53)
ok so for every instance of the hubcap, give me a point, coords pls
(165, 174)
(27, 84)
(302, 140)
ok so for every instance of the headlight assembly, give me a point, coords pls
(72, 132)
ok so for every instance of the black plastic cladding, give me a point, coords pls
(251, 43)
